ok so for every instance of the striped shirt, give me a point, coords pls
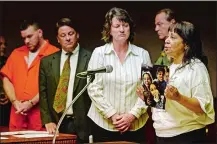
(115, 92)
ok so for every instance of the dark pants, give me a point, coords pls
(5, 108)
(102, 135)
(68, 127)
(5, 114)
(193, 137)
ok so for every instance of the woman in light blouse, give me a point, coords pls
(189, 100)
(118, 114)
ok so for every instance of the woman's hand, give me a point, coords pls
(140, 92)
(124, 122)
(191, 103)
(172, 93)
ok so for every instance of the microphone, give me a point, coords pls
(105, 69)
(92, 77)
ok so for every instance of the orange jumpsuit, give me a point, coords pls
(25, 82)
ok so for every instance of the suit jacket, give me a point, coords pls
(49, 74)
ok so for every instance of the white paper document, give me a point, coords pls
(23, 132)
(28, 134)
(1, 138)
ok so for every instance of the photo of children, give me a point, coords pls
(147, 79)
(166, 76)
(154, 81)
(146, 83)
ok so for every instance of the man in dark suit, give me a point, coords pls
(51, 68)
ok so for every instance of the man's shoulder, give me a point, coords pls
(52, 46)
(85, 51)
(19, 50)
(51, 56)
(51, 49)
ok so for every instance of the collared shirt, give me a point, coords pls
(115, 92)
(163, 59)
(24, 78)
(191, 81)
(73, 66)
(32, 56)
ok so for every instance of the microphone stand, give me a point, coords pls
(92, 77)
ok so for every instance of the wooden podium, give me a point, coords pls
(60, 139)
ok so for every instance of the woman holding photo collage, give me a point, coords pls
(189, 100)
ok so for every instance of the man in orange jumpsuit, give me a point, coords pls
(20, 77)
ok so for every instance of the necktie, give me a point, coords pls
(62, 88)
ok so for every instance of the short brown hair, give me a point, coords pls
(26, 23)
(66, 22)
(170, 14)
(121, 15)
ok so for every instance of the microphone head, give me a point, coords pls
(109, 69)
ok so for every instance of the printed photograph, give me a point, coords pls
(154, 82)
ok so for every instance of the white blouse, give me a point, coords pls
(115, 92)
(192, 81)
